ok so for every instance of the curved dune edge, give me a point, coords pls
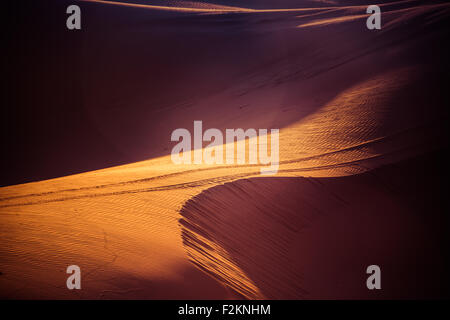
(349, 135)
(225, 228)
(312, 238)
(121, 224)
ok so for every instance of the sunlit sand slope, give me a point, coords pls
(346, 108)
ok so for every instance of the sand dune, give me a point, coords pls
(346, 102)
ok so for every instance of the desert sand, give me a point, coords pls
(362, 118)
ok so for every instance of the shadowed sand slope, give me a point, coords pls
(346, 102)
(297, 238)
